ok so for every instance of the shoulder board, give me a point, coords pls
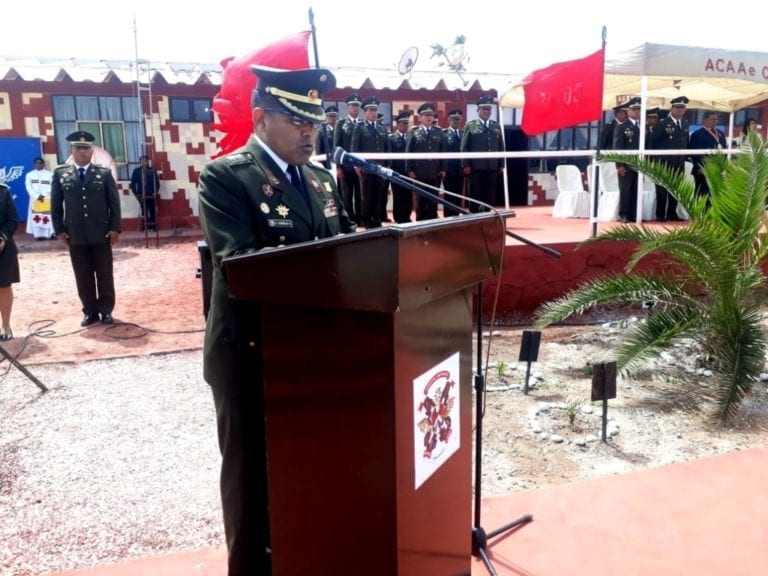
(238, 158)
(60, 166)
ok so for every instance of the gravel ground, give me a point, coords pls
(118, 460)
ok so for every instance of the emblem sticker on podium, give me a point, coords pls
(436, 417)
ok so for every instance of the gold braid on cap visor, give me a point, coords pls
(285, 98)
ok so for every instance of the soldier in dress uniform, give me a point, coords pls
(627, 137)
(347, 177)
(606, 137)
(85, 209)
(402, 198)
(265, 194)
(671, 133)
(426, 138)
(371, 137)
(454, 178)
(651, 119)
(482, 135)
(324, 142)
(38, 185)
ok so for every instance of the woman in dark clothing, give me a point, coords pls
(9, 260)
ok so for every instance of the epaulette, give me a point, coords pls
(61, 166)
(238, 158)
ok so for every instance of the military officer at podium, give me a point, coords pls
(265, 194)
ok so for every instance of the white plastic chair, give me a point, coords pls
(572, 200)
(608, 208)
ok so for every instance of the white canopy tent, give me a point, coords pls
(711, 78)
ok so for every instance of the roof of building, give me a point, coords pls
(82, 70)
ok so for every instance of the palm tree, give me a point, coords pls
(708, 284)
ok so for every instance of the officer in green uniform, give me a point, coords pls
(454, 178)
(85, 211)
(426, 138)
(349, 180)
(324, 142)
(482, 135)
(371, 136)
(263, 195)
(402, 198)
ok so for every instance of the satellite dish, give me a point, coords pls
(456, 54)
(408, 60)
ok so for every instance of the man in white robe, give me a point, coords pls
(38, 184)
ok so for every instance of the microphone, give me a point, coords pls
(343, 158)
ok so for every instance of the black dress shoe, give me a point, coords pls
(107, 319)
(89, 319)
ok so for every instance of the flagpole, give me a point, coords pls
(596, 179)
(314, 36)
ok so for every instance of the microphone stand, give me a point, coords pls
(479, 536)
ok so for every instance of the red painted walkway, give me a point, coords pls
(705, 518)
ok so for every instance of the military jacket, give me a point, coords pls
(373, 137)
(397, 144)
(419, 141)
(342, 134)
(452, 144)
(626, 136)
(247, 204)
(324, 143)
(85, 211)
(667, 136)
(478, 138)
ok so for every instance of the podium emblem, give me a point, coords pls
(436, 417)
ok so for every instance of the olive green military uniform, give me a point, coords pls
(86, 211)
(484, 174)
(247, 204)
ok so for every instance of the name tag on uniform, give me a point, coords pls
(279, 223)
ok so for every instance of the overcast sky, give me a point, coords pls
(508, 37)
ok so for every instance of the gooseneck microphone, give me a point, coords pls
(343, 158)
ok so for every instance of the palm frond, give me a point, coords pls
(610, 289)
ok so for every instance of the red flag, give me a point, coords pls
(564, 94)
(233, 102)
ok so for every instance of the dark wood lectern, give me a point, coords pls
(348, 323)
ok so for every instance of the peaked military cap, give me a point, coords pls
(455, 113)
(619, 108)
(299, 92)
(403, 116)
(652, 112)
(81, 139)
(371, 102)
(331, 111)
(486, 101)
(353, 98)
(681, 101)
(426, 108)
(634, 102)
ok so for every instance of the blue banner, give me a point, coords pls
(16, 159)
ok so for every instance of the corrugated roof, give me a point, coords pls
(82, 70)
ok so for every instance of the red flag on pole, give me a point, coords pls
(564, 94)
(233, 102)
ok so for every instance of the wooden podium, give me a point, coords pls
(350, 324)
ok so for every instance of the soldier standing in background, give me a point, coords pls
(85, 208)
(348, 179)
(371, 136)
(402, 198)
(670, 134)
(454, 178)
(426, 138)
(324, 142)
(619, 116)
(627, 137)
(482, 135)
